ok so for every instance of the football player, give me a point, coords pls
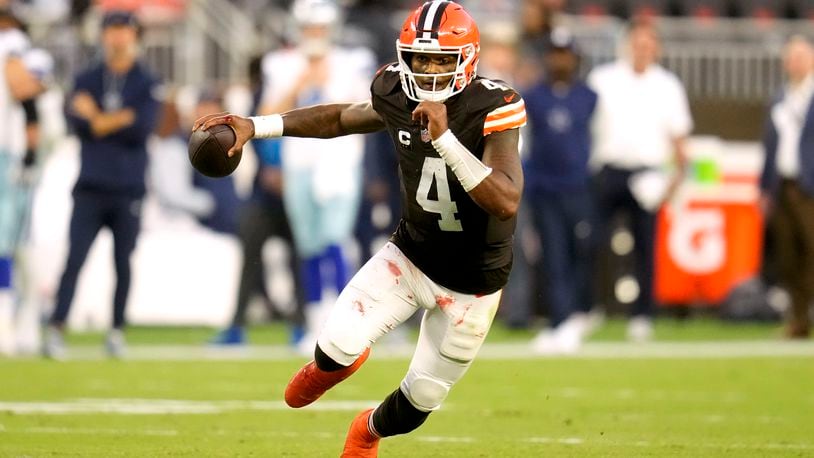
(457, 139)
(20, 84)
(322, 179)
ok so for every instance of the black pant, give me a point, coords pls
(259, 221)
(565, 223)
(791, 227)
(92, 211)
(614, 197)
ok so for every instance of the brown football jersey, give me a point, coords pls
(443, 231)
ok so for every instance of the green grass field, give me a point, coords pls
(710, 399)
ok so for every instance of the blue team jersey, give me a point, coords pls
(116, 162)
(560, 136)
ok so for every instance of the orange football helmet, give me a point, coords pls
(438, 27)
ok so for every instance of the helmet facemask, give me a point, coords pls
(466, 58)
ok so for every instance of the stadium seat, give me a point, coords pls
(763, 10)
(800, 9)
(588, 7)
(704, 9)
(647, 8)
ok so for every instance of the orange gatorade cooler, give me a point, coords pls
(710, 238)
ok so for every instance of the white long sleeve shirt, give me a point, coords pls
(789, 117)
(637, 116)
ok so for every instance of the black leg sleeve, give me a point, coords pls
(397, 416)
(325, 362)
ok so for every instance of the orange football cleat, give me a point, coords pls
(309, 383)
(360, 442)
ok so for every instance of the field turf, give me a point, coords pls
(687, 399)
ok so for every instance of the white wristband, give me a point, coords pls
(469, 169)
(270, 126)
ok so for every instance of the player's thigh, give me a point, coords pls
(451, 336)
(9, 219)
(302, 211)
(338, 216)
(24, 204)
(377, 300)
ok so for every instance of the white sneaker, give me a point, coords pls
(571, 332)
(593, 321)
(565, 339)
(545, 343)
(316, 314)
(115, 345)
(640, 329)
(7, 334)
(54, 344)
(307, 344)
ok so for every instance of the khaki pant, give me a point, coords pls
(792, 228)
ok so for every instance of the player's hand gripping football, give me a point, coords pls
(433, 115)
(243, 127)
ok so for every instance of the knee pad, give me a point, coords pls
(426, 394)
(464, 336)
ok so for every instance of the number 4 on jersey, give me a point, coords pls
(435, 169)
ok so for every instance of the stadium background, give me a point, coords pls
(705, 387)
(726, 53)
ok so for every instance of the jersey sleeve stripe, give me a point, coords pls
(504, 115)
(506, 124)
(507, 120)
(514, 106)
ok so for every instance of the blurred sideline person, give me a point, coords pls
(112, 109)
(176, 184)
(380, 207)
(321, 180)
(787, 183)
(641, 125)
(538, 18)
(262, 217)
(19, 87)
(457, 137)
(560, 108)
(170, 172)
(498, 58)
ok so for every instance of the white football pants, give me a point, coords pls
(385, 292)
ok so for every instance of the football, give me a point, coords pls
(208, 148)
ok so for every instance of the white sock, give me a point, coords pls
(7, 336)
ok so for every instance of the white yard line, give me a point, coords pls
(541, 440)
(97, 431)
(667, 350)
(554, 440)
(165, 406)
(490, 351)
(446, 439)
(647, 444)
